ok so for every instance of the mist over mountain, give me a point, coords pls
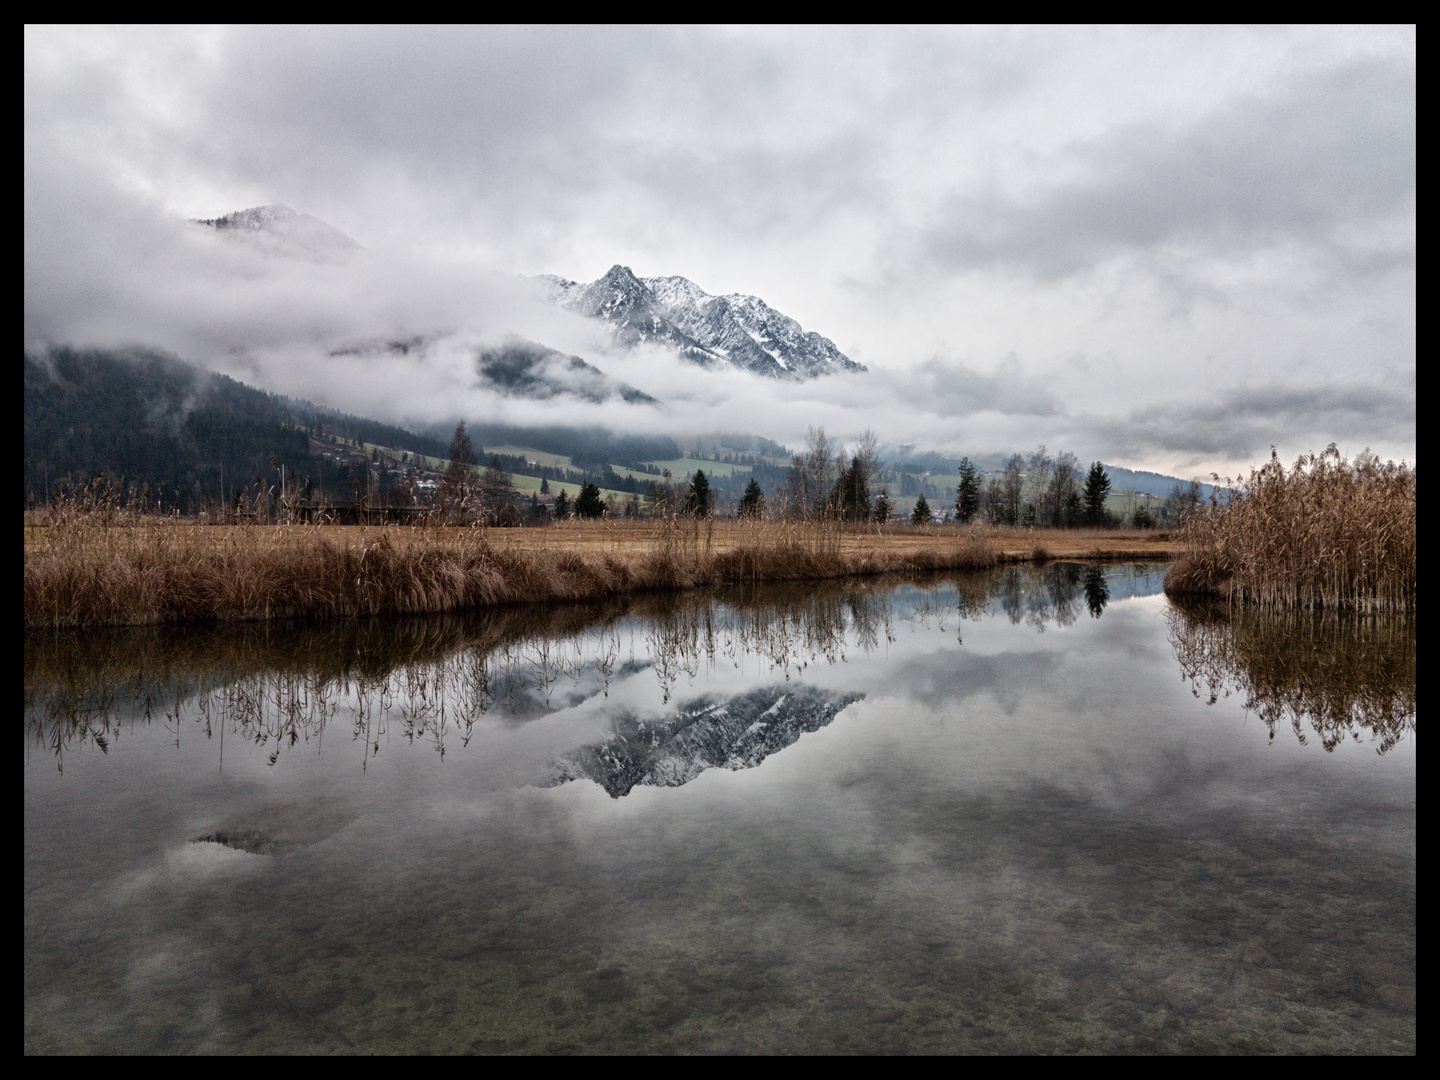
(282, 300)
(193, 436)
(280, 230)
(737, 331)
(528, 369)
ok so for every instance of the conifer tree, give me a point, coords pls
(697, 502)
(752, 503)
(921, 514)
(852, 491)
(883, 509)
(589, 504)
(1097, 486)
(967, 493)
(562, 505)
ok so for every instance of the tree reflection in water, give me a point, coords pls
(1340, 674)
(279, 686)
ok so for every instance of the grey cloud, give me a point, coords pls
(1245, 421)
(951, 388)
(1333, 149)
(500, 126)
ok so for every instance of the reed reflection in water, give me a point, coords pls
(1342, 674)
(278, 687)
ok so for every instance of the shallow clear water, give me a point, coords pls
(1039, 811)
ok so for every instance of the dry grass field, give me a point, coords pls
(92, 569)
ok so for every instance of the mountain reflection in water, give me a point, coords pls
(737, 732)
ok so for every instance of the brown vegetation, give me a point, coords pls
(98, 565)
(1325, 533)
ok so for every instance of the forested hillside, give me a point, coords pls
(193, 436)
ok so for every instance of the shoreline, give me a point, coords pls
(147, 573)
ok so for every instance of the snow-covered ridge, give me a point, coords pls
(737, 329)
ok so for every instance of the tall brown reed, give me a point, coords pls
(1325, 533)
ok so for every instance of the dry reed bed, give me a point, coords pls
(1326, 533)
(84, 570)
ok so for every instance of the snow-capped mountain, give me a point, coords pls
(676, 313)
(735, 733)
(280, 230)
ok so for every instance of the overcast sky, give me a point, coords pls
(1166, 248)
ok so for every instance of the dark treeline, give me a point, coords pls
(154, 421)
(587, 448)
(188, 438)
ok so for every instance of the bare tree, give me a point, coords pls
(1063, 491)
(497, 496)
(819, 470)
(995, 501)
(664, 499)
(1185, 499)
(810, 479)
(455, 487)
(1012, 490)
(1040, 465)
(867, 449)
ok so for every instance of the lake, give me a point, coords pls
(1031, 811)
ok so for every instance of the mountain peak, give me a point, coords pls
(739, 329)
(618, 274)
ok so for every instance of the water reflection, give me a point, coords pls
(1339, 674)
(278, 687)
(429, 681)
(869, 817)
(1097, 592)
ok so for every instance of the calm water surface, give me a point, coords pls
(1036, 811)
